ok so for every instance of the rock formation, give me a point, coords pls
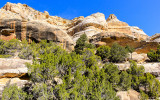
(25, 23)
(152, 68)
(10, 68)
(128, 95)
(29, 24)
(13, 71)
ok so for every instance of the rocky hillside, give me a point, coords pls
(23, 22)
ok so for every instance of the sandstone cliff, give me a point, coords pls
(25, 23)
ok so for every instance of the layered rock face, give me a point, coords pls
(13, 71)
(10, 68)
(91, 25)
(114, 25)
(29, 24)
(23, 22)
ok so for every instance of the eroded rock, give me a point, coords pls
(128, 95)
(10, 68)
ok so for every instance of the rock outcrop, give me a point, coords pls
(114, 25)
(90, 26)
(154, 38)
(153, 68)
(13, 71)
(29, 24)
(10, 68)
(139, 58)
(128, 95)
(25, 23)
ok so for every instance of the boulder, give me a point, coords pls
(153, 68)
(13, 71)
(58, 80)
(128, 95)
(140, 58)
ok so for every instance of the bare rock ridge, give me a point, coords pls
(25, 23)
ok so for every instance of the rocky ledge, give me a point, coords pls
(13, 71)
(10, 68)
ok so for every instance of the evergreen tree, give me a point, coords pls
(118, 53)
(125, 81)
(137, 74)
(153, 55)
(80, 44)
(113, 73)
(103, 52)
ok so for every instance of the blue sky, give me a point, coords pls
(142, 13)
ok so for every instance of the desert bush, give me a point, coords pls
(118, 53)
(153, 55)
(13, 93)
(80, 44)
(103, 52)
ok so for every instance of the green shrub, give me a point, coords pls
(118, 53)
(45, 69)
(80, 44)
(143, 96)
(113, 73)
(125, 81)
(137, 75)
(42, 92)
(103, 52)
(26, 53)
(5, 56)
(13, 93)
(153, 55)
(13, 44)
(2, 48)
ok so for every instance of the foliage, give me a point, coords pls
(113, 73)
(26, 54)
(13, 93)
(103, 52)
(80, 44)
(130, 49)
(81, 72)
(137, 74)
(5, 56)
(12, 44)
(42, 92)
(143, 96)
(125, 81)
(90, 58)
(45, 69)
(153, 55)
(118, 53)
